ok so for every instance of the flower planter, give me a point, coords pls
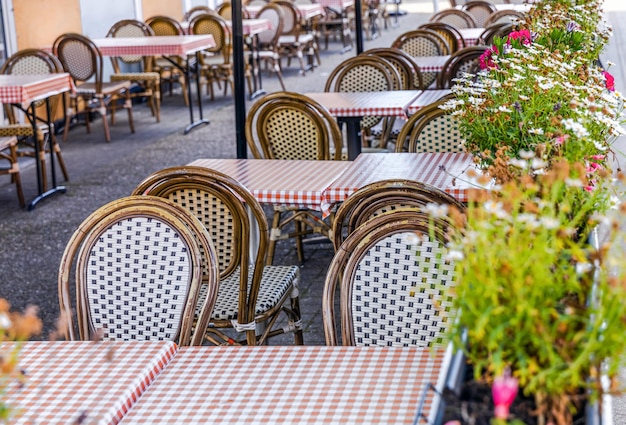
(460, 396)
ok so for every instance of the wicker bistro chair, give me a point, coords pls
(27, 62)
(454, 17)
(480, 10)
(464, 61)
(252, 297)
(449, 33)
(431, 129)
(267, 49)
(422, 42)
(294, 41)
(140, 263)
(197, 10)
(82, 59)
(169, 69)
(217, 67)
(11, 166)
(335, 22)
(148, 81)
(395, 283)
(364, 73)
(501, 29)
(408, 70)
(287, 125)
(380, 197)
(507, 16)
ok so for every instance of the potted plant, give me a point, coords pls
(535, 300)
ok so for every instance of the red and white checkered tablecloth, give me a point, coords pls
(470, 35)
(170, 45)
(29, 88)
(445, 171)
(431, 63)
(291, 182)
(252, 26)
(291, 385)
(359, 104)
(68, 380)
(425, 99)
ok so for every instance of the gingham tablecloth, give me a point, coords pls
(98, 382)
(29, 88)
(291, 182)
(170, 45)
(252, 26)
(470, 35)
(445, 171)
(425, 99)
(290, 385)
(359, 104)
(431, 63)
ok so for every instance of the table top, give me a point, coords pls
(66, 381)
(471, 35)
(431, 63)
(305, 11)
(292, 182)
(426, 98)
(359, 104)
(253, 26)
(29, 88)
(171, 45)
(291, 385)
(445, 171)
(339, 4)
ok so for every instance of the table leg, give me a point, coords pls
(193, 124)
(55, 189)
(353, 131)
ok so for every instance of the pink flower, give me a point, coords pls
(522, 35)
(504, 390)
(598, 157)
(609, 81)
(486, 62)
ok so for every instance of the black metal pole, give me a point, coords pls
(239, 77)
(358, 28)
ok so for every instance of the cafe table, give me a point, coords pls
(445, 171)
(351, 107)
(82, 382)
(167, 46)
(299, 183)
(24, 91)
(426, 98)
(315, 385)
(470, 35)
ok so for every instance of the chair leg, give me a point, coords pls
(57, 151)
(128, 104)
(102, 110)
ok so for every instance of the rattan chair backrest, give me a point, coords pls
(129, 28)
(480, 10)
(291, 21)
(431, 129)
(31, 62)
(421, 42)
(288, 125)
(225, 10)
(138, 273)
(501, 29)
(274, 13)
(80, 57)
(464, 61)
(452, 35)
(165, 25)
(455, 17)
(197, 10)
(206, 23)
(409, 72)
(383, 196)
(395, 281)
(508, 16)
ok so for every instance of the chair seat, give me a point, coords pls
(135, 76)
(89, 89)
(291, 39)
(276, 282)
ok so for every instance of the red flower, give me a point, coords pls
(609, 81)
(485, 59)
(523, 36)
(504, 390)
